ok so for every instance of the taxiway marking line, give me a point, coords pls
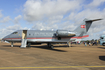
(50, 67)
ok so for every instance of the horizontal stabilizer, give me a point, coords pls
(93, 20)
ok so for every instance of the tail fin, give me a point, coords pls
(84, 27)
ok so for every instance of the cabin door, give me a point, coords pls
(24, 39)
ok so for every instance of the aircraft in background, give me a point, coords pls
(30, 37)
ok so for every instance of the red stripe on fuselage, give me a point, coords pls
(51, 37)
(44, 38)
(81, 37)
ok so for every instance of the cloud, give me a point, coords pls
(43, 26)
(97, 29)
(59, 17)
(10, 29)
(67, 26)
(38, 9)
(49, 14)
(19, 9)
(16, 20)
(96, 3)
(53, 12)
(61, 14)
(87, 13)
(5, 19)
(103, 32)
(1, 15)
(15, 27)
(78, 18)
(90, 13)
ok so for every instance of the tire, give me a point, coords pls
(28, 45)
(103, 44)
(51, 47)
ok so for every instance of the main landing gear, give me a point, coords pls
(50, 46)
(28, 45)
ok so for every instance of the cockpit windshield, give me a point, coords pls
(15, 33)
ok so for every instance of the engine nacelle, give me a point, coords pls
(64, 33)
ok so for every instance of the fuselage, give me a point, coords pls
(41, 36)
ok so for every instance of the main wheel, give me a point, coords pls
(50, 46)
(28, 45)
(103, 44)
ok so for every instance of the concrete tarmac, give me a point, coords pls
(77, 57)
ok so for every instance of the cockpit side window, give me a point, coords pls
(15, 33)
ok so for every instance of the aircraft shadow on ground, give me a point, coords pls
(43, 47)
(46, 47)
(102, 47)
(10, 45)
(102, 58)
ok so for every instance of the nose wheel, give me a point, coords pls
(11, 44)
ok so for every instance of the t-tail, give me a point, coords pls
(84, 27)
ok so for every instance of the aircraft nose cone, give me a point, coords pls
(5, 38)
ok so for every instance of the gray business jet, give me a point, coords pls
(30, 37)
